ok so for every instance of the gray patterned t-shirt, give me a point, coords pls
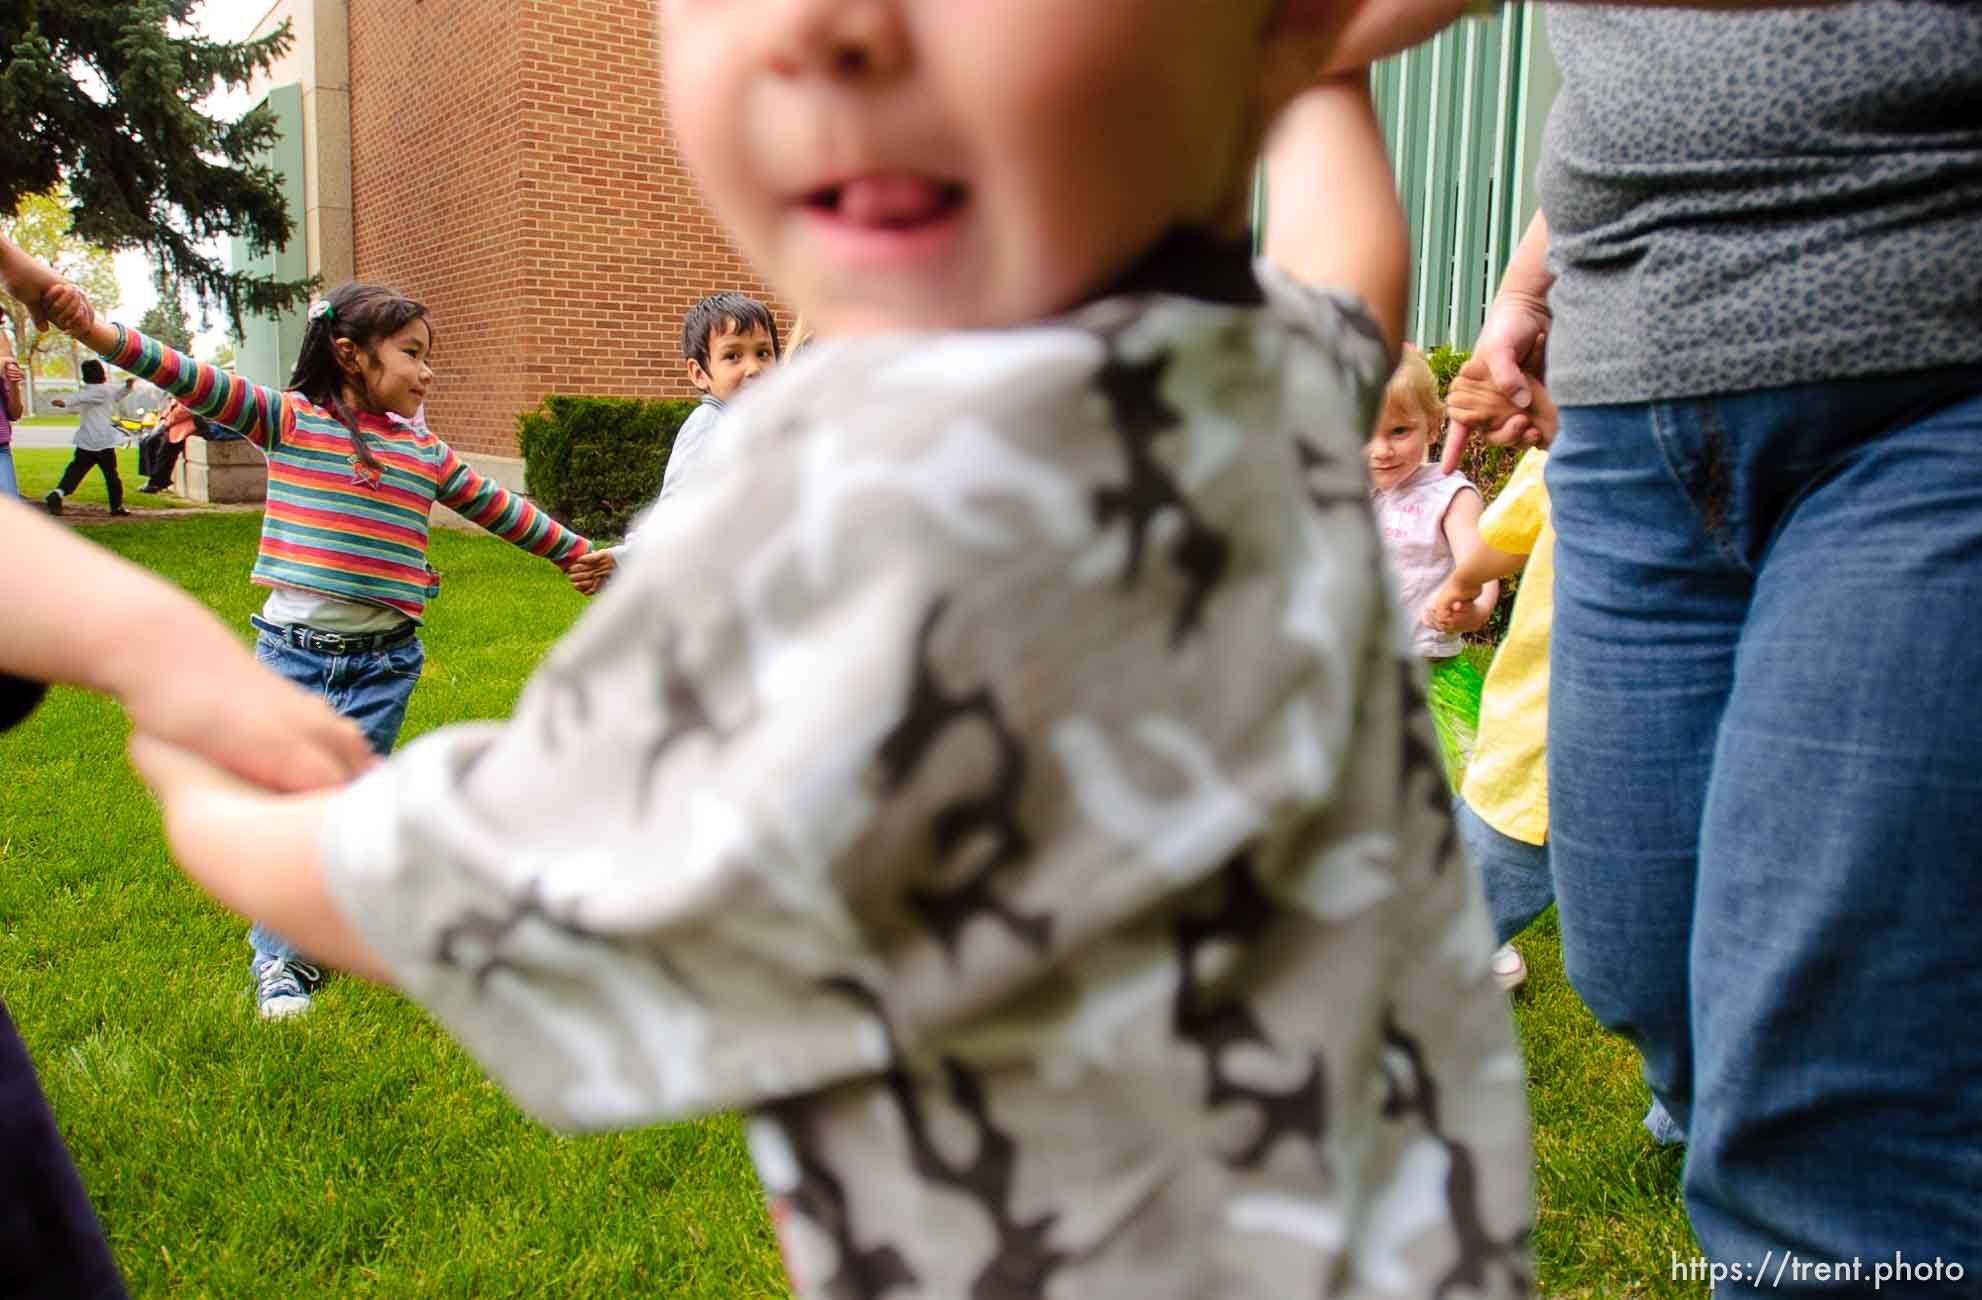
(1007, 785)
(1743, 201)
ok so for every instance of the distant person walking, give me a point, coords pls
(96, 438)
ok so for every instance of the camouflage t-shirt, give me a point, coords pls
(1012, 793)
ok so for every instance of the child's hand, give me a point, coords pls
(233, 712)
(68, 309)
(179, 775)
(1455, 607)
(10, 370)
(253, 851)
(589, 574)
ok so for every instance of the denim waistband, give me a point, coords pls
(321, 642)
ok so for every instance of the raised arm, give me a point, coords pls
(1332, 215)
(249, 409)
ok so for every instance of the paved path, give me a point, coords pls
(44, 435)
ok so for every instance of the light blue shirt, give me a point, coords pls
(688, 443)
(689, 440)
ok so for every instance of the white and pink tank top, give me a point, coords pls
(1411, 519)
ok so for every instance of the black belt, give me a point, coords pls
(321, 642)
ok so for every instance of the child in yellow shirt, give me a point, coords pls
(1503, 802)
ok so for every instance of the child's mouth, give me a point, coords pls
(896, 202)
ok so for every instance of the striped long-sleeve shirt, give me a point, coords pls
(328, 527)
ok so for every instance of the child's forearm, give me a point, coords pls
(82, 616)
(1485, 565)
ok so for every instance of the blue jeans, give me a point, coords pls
(370, 689)
(1763, 725)
(10, 487)
(1518, 885)
(1519, 888)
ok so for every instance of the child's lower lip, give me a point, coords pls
(884, 247)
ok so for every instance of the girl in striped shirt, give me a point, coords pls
(352, 474)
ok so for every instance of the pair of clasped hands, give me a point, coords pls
(1481, 403)
(80, 615)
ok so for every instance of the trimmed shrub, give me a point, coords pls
(592, 462)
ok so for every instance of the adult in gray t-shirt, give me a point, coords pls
(1761, 245)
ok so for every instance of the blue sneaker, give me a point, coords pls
(283, 986)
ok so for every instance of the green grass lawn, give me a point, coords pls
(356, 1152)
(47, 419)
(40, 469)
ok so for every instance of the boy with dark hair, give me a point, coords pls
(96, 438)
(728, 340)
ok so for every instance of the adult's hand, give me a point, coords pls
(1511, 341)
(1511, 347)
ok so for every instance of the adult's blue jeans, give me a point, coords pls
(10, 486)
(371, 689)
(1765, 716)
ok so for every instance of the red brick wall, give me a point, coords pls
(510, 168)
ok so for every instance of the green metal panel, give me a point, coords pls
(1462, 117)
(1456, 113)
(268, 346)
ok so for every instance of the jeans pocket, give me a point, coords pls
(405, 661)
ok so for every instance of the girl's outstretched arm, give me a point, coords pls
(1457, 600)
(258, 413)
(513, 518)
(80, 615)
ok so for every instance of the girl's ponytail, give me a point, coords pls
(364, 314)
